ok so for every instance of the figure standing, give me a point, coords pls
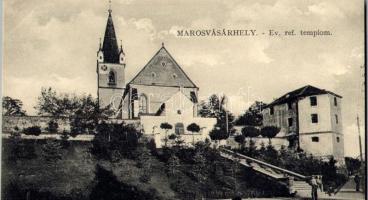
(357, 182)
(313, 183)
(319, 183)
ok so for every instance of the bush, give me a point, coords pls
(20, 149)
(51, 151)
(115, 139)
(250, 131)
(33, 130)
(52, 127)
(64, 139)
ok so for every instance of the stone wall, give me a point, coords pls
(10, 122)
(276, 142)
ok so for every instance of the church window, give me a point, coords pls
(153, 74)
(179, 128)
(163, 64)
(179, 112)
(143, 104)
(337, 139)
(174, 75)
(335, 101)
(271, 110)
(112, 78)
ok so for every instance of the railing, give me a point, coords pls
(268, 165)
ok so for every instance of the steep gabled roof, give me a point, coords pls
(299, 93)
(163, 70)
(110, 47)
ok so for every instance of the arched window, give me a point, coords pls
(111, 78)
(143, 104)
(179, 128)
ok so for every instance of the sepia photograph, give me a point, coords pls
(183, 99)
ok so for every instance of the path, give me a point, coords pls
(348, 190)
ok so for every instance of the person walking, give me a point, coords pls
(313, 183)
(319, 183)
(357, 182)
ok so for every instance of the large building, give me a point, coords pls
(313, 117)
(160, 92)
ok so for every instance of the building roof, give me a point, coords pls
(163, 70)
(305, 91)
(110, 47)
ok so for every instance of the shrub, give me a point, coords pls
(52, 127)
(115, 138)
(64, 139)
(20, 149)
(51, 151)
(151, 145)
(250, 131)
(240, 140)
(269, 132)
(33, 130)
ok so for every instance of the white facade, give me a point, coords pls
(323, 137)
(179, 112)
(315, 118)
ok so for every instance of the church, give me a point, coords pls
(161, 92)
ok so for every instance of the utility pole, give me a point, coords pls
(360, 141)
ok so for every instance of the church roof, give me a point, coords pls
(110, 47)
(305, 91)
(163, 70)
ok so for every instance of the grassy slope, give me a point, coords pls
(76, 172)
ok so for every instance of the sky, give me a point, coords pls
(54, 43)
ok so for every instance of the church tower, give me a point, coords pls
(110, 68)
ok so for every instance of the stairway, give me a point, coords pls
(300, 185)
(303, 189)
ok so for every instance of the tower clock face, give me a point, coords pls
(103, 67)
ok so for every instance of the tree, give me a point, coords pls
(352, 164)
(194, 128)
(64, 139)
(166, 126)
(215, 107)
(240, 139)
(199, 169)
(13, 107)
(51, 103)
(270, 132)
(52, 126)
(218, 134)
(250, 132)
(83, 111)
(173, 165)
(252, 116)
(113, 141)
(51, 151)
(144, 162)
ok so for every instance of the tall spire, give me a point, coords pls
(110, 46)
(110, 7)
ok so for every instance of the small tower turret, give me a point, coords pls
(100, 56)
(121, 54)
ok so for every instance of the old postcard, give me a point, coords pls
(183, 99)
